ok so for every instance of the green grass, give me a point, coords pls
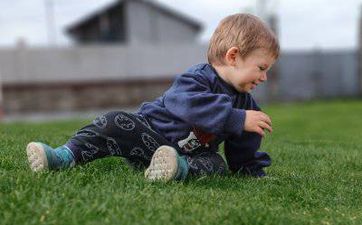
(316, 178)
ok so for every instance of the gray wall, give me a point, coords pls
(64, 71)
(147, 24)
(308, 75)
(23, 65)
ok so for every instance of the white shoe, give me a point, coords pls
(166, 165)
(37, 157)
(43, 157)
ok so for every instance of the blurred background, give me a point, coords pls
(62, 57)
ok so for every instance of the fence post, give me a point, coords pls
(273, 82)
(359, 53)
(1, 98)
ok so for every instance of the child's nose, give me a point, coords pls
(263, 77)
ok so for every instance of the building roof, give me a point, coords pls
(160, 7)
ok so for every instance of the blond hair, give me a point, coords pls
(244, 31)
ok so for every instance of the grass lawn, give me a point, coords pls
(316, 178)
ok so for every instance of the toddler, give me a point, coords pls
(178, 134)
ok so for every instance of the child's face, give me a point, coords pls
(245, 74)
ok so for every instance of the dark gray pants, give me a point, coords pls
(130, 136)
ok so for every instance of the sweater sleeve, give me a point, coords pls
(190, 99)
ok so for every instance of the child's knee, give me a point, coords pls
(114, 121)
(210, 163)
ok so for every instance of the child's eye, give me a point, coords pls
(261, 68)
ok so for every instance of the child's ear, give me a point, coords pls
(231, 55)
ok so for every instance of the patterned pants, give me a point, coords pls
(130, 136)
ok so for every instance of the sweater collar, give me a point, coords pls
(230, 89)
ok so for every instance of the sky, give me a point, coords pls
(303, 24)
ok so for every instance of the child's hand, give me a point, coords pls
(256, 121)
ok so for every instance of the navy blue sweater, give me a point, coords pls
(200, 110)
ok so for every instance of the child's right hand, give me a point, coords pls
(256, 121)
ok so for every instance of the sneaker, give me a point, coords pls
(167, 165)
(43, 157)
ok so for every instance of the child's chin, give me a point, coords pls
(244, 89)
(249, 89)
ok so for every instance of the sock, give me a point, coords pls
(63, 158)
(183, 168)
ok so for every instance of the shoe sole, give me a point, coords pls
(163, 166)
(36, 157)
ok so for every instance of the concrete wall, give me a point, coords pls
(110, 76)
(146, 24)
(94, 77)
(94, 63)
(65, 96)
(311, 75)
